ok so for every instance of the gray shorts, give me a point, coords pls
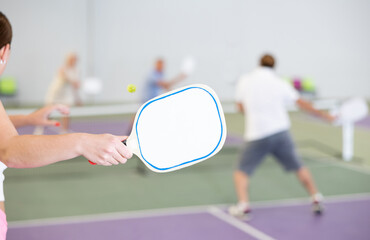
(280, 145)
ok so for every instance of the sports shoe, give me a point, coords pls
(317, 206)
(243, 213)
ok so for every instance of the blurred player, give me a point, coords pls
(64, 89)
(262, 97)
(156, 82)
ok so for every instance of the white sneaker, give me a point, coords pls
(243, 213)
(317, 206)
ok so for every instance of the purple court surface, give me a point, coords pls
(113, 127)
(343, 219)
(364, 122)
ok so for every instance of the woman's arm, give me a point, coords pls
(28, 151)
(39, 117)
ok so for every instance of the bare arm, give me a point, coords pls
(39, 117)
(169, 84)
(28, 151)
(34, 151)
(307, 106)
(19, 120)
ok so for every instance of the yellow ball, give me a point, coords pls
(131, 88)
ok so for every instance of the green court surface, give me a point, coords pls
(76, 188)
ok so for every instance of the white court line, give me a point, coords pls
(239, 224)
(174, 211)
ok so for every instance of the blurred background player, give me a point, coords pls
(64, 90)
(156, 83)
(262, 97)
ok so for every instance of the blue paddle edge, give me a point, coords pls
(193, 160)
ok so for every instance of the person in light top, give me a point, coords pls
(262, 97)
(64, 89)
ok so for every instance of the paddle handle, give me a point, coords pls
(124, 142)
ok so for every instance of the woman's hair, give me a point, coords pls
(5, 31)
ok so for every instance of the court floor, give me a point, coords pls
(279, 220)
(74, 200)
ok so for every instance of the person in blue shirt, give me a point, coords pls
(156, 83)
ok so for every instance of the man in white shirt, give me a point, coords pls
(262, 97)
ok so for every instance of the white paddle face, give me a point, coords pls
(178, 129)
(353, 110)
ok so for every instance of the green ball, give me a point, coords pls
(131, 88)
(308, 85)
(8, 86)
